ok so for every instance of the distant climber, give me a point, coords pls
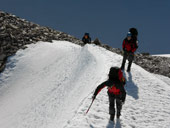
(116, 91)
(86, 38)
(130, 44)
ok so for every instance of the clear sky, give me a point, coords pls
(109, 20)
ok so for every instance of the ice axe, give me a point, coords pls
(90, 106)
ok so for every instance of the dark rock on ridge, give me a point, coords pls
(15, 33)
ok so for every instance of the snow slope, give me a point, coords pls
(163, 55)
(49, 85)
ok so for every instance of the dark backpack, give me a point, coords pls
(87, 34)
(116, 74)
(133, 31)
(119, 81)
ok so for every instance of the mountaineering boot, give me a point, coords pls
(118, 115)
(112, 117)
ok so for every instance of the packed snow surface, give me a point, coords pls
(163, 55)
(50, 85)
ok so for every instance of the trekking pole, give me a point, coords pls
(90, 106)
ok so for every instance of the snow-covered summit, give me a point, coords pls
(49, 85)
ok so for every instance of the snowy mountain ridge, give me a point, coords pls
(50, 85)
(16, 33)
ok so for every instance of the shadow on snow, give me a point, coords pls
(131, 88)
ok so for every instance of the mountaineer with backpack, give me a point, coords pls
(86, 38)
(130, 44)
(116, 91)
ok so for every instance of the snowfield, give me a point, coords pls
(163, 55)
(50, 85)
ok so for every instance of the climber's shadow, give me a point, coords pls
(131, 87)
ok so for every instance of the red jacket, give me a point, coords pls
(129, 45)
(115, 87)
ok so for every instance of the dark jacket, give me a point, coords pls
(86, 40)
(115, 89)
(130, 45)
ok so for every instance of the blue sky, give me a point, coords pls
(109, 20)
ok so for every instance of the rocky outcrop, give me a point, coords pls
(97, 42)
(15, 33)
(154, 64)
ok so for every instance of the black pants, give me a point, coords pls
(112, 101)
(130, 57)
